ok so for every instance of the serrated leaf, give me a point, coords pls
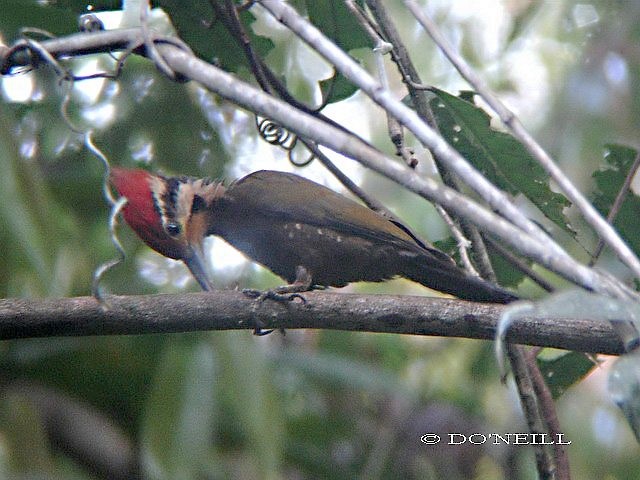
(618, 160)
(498, 155)
(177, 424)
(565, 370)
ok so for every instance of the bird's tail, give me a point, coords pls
(448, 278)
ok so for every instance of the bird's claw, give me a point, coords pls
(261, 296)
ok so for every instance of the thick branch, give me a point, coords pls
(231, 310)
(71, 45)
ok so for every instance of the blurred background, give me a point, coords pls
(311, 404)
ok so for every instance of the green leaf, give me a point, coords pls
(337, 22)
(563, 371)
(198, 25)
(178, 421)
(336, 88)
(17, 14)
(506, 274)
(618, 160)
(498, 155)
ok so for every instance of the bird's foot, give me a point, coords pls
(285, 293)
(276, 295)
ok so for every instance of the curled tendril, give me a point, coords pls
(301, 163)
(36, 53)
(26, 31)
(116, 208)
(64, 106)
(39, 53)
(276, 134)
(108, 265)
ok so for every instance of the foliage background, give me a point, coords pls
(313, 404)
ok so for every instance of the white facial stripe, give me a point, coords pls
(175, 206)
(184, 200)
(158, 188)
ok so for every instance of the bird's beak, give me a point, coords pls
(196, 263)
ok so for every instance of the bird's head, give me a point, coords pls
(169, 214)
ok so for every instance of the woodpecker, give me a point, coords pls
(304, 232)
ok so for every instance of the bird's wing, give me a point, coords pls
(293, 199)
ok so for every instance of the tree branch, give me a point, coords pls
(231, 310)
(529, 400)
(605, 230)
(522, 230)
(547, 253)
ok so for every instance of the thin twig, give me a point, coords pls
(461, 241)
(529, 400)
(548, 410)
(349, 184)
(228, 15)
(479, 250)
(149, 42)
(116, 207)
(364, 22)
(617, 204)
(380, 49)
(605, 231)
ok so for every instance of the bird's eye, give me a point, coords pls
(173, 229)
